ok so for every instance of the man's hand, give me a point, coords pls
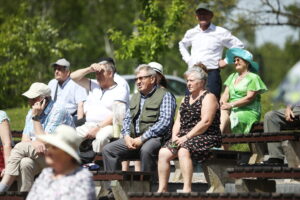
(39, 147)
(97, 67)
(38, 108)
(129, 142)
(222, 63)
(289, 115)
(137, 142)
(92, 133)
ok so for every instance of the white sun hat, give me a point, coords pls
(64, 138)
(157, 67)
(37, 89)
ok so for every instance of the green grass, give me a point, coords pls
(17, 117)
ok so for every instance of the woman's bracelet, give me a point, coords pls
(231, 104)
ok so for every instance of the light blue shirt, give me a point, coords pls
(52, 116)
(69, 94)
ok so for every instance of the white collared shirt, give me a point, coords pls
(206, 46)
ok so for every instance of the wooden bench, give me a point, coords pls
(120, 183)
(290, 143)
(13, 195)
(256, 178)
(212, 196)
(215, 168)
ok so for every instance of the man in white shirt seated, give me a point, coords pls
(103, 93)
(207, 42)
(65, 91)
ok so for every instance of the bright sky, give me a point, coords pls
(274, 34)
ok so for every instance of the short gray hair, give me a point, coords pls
(145, 67)
(108, 66)
(198, 72)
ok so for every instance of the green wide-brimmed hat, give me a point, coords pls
(244, 54)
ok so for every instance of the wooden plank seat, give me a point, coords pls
(264, 172)
(260, 137)
(121, 182)
(16, 134)
(290, 141)
(258, 127)
(260, 178)
(212, 196)
(215, 168)
(13, 195)
(122, 176)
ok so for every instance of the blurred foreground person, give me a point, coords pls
(64, 178)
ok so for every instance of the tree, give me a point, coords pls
(154, 30)
(27, 46)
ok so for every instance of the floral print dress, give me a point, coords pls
(198, 146)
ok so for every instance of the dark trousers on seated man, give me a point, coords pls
(114, 153)
(274, 121)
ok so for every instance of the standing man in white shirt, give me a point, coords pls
(65, 91)
(207, 42)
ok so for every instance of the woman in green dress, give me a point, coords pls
(240, 102)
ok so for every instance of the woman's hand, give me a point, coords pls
(2, 172)
(180, 140)
(174, 138)
(226, 106)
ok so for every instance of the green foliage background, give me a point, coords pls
(35, 33)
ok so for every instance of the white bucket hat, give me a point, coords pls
(157, 67)
(64, 138)
(37, 89)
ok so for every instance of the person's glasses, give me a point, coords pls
(59, 68)
(237, 59)
(141, 78)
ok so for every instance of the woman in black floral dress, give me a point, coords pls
(195, 131)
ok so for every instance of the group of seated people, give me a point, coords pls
(73, 108)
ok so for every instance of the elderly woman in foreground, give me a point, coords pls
(195, 131)
(65, 178)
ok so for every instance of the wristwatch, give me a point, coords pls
(36, 118)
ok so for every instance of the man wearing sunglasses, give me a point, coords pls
(147, 123)
(65, 91)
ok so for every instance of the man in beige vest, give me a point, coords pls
(148, 121)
